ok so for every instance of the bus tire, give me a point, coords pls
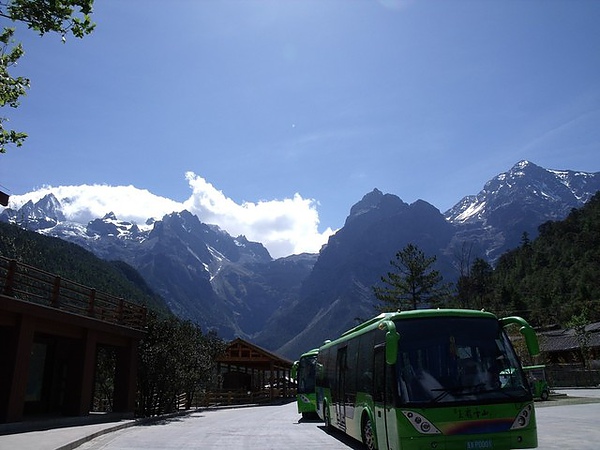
(368, 434)
(545, 394)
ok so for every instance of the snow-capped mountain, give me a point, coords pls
(42, 215)
(517, 202)
(290, 304)
(204, 275)
(339, 288)
(556, 191)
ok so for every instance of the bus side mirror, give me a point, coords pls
(391, 341)
(528, 333)
(294, 370)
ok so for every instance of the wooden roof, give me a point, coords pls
(245, 354)
(566, 340)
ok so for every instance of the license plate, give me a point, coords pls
(480, 444)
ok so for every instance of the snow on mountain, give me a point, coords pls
(84, 203)
(45, 213)
(233, 285)
(527, 183)
(516, 202)
(284, 226)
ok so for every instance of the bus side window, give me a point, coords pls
(364, 364)
(379, 371)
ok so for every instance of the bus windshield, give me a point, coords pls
(306, 374)
(457, 360)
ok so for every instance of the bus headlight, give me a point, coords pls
(420, 423)
(523, 418)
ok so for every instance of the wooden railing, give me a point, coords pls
(33, 285)
(240, 397)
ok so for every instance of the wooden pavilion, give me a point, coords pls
(251, 374)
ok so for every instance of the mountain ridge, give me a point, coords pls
(288, 304)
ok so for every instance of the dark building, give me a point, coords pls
(50, 333)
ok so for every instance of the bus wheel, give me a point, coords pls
(368, 436)
(545, 394)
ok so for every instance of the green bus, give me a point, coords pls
(536, 375)
(429, 379)
(303, 371)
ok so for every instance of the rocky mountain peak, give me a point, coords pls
(518, 201)
(375, 203)
(110, 216)
(553, 192)
(369, 201)
(110, 226)
(290, 304)
(43, 214)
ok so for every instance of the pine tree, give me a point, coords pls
(412, 284)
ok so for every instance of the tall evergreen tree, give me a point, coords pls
(476, 289)
(412, 284)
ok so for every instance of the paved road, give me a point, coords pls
(250, 428)
(565, 423)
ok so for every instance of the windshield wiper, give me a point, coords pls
(474, 389)
(456, 390)
(508, 394)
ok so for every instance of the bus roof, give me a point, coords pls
(412, 314)
(313, 352)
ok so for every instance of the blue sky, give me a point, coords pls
(275, 104)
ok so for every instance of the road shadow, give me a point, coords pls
(50, 422)
(342, 437)
(161, 421)
(310, 418)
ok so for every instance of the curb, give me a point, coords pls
(78, 442)
(83, 440)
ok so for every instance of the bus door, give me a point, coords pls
(339, 392)
(383, 399)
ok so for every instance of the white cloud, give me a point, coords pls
(284, 227)
(87, 202)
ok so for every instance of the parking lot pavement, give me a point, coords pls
(563, 397)
(580, 392)
(567, 421)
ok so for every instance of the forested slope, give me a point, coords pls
(72, 262)
(557, 275)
